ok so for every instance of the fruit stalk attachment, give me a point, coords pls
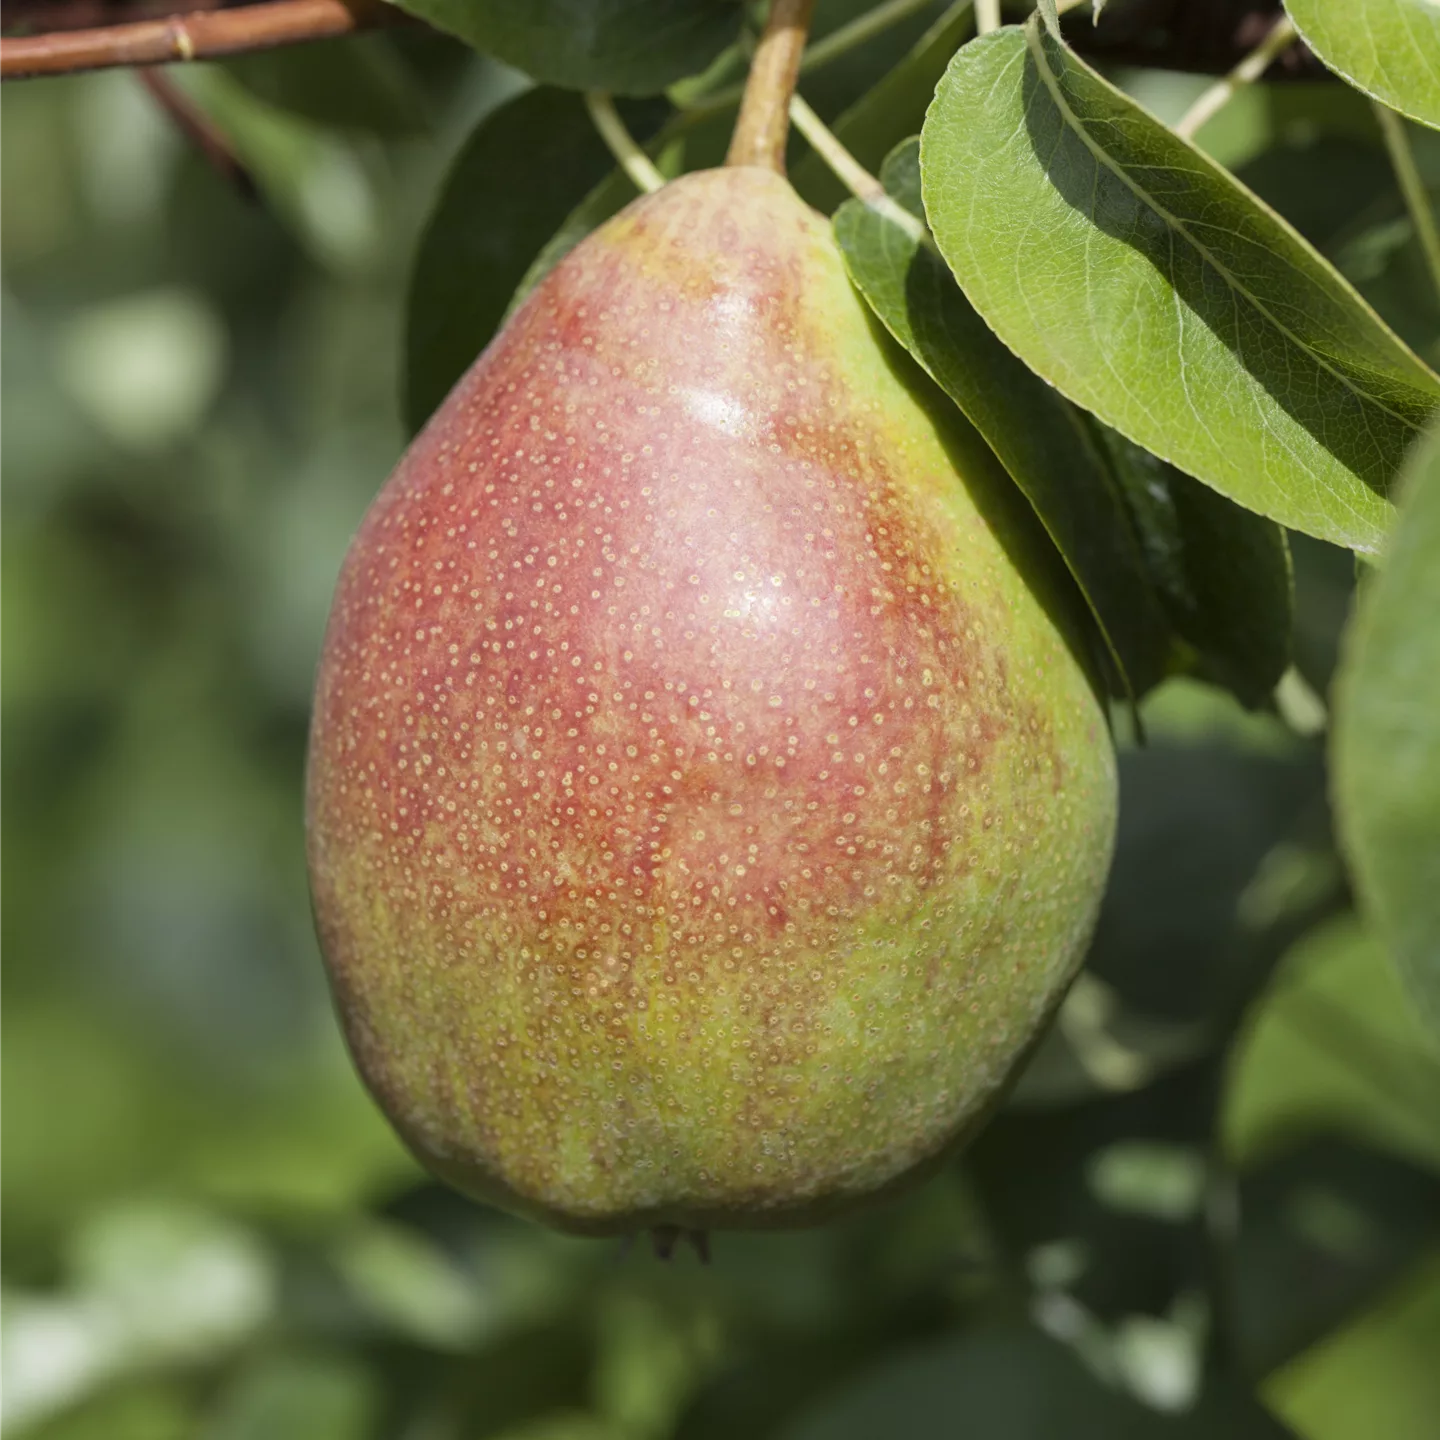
(764, 121)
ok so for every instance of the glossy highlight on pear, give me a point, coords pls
(705, 812)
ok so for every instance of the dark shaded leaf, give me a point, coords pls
(890, 110)
(769, 1386)
(1321, 1230)
(633, 47)
(525, 1374)
(1002, 1385)
(359, 83)
(1221, 858)
(1223, 573)
(516, 179)
(1176, 939)
(1324, 588)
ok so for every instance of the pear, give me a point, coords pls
(706, 806)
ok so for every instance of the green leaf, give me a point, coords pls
(1148, 286)
(1390, 49)
(359, 83)
(1039, 438)
(1333, 1048)
(1001, 1384)
(1376, 1377)
(516, 179)
(633, 47)
(1387, 738)
(1322, 1229)
(1223, 573)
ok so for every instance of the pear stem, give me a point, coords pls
(633, 160)
(820, 52)
(764, 121)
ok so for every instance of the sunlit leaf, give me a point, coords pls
(1387, 738)
(1148, 286)
(1153, 550)
(1388, 48)
(633, 47)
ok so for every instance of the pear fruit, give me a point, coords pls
(705, 810)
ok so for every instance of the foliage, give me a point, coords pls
(1387, 745)
(1384, 47)
(1211, 1206)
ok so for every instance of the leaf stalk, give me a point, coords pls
(849, 171)
(621, 144)
(1412, 187)
(1278, 38)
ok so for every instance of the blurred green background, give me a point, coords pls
(1219, 1180)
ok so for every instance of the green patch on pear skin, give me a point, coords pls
(706, 806)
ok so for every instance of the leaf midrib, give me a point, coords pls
(1051, 85)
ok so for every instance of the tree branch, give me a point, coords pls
(202, 132)
(198, 35)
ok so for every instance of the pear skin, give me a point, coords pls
(705, 810)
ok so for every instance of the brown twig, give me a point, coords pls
(764, 121)
(200, 130)
(197, 35)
